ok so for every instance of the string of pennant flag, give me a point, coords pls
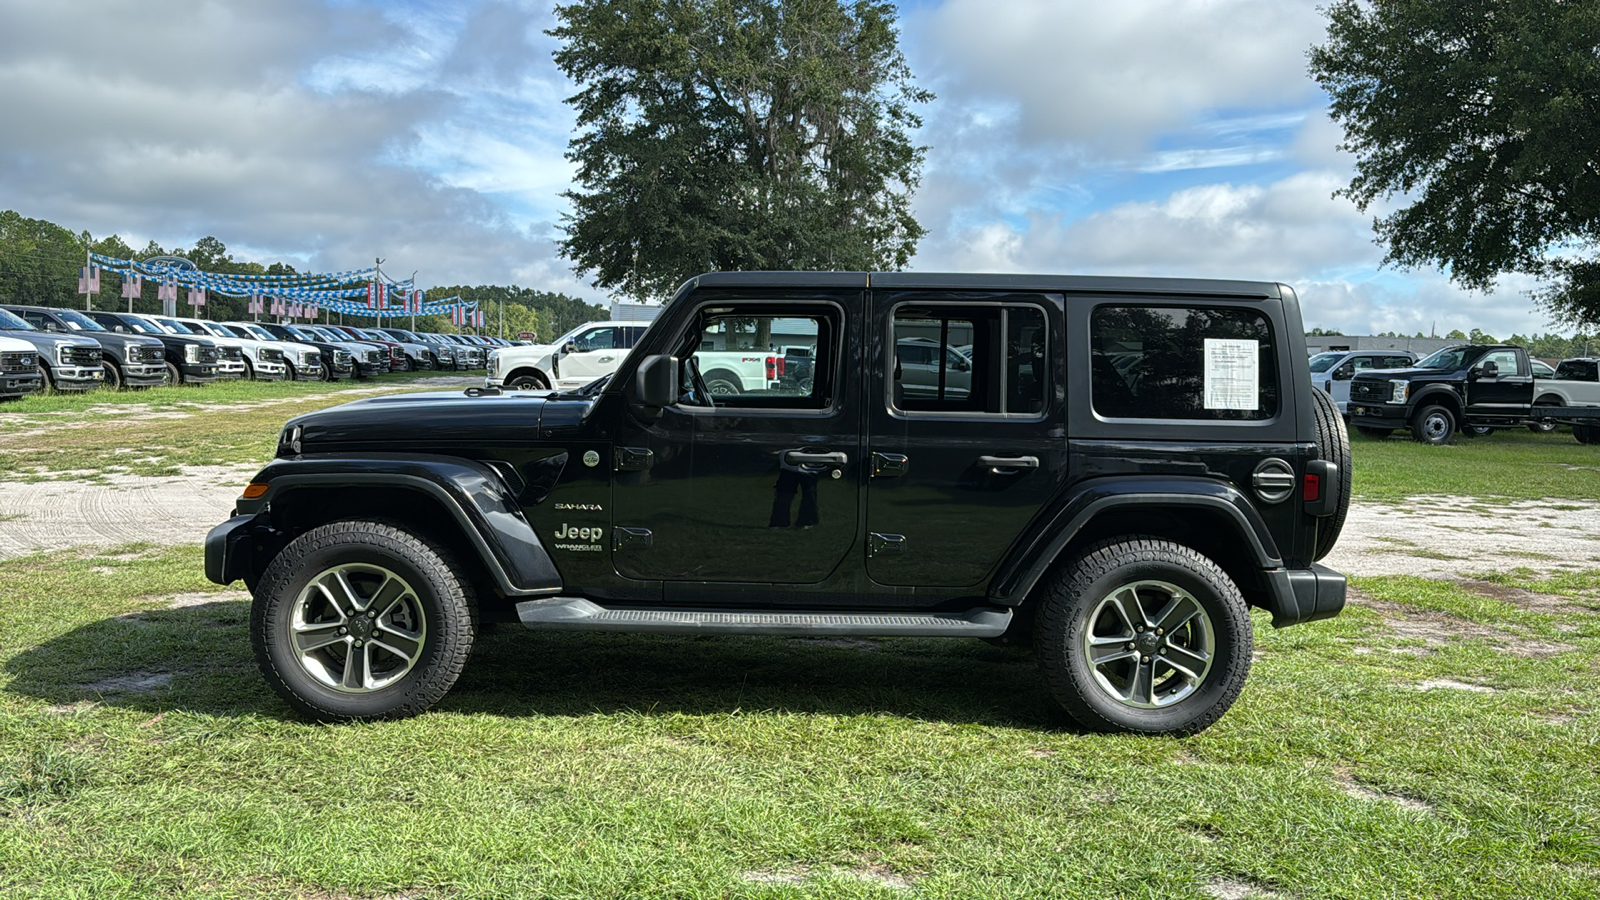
(297, 296)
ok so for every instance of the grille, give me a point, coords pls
(342, 359)
(231, 354)
(18, 363)
(267, 354)
(208, 354)
(148, 353)
(83, 356)
(372, 357)
(1369, 390)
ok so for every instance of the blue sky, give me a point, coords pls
(1168, 137)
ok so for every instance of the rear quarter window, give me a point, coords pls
(1176, 362)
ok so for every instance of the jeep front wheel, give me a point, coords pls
(1433, 425)
(1144, 635)
(362, 620)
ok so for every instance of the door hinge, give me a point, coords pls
(630, 539)
(634, 459)
(885, 544)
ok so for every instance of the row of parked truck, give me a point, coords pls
(54, 349)
(1465, 389)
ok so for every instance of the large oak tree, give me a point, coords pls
(737, 134)
(1483, 117)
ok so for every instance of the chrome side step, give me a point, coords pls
(578, 614)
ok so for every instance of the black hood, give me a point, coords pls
(438, 420)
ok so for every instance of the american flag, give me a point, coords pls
(132, 286)
(277, 306)
(88, 279)
(312, 312)
(255, 303)
(197, 297)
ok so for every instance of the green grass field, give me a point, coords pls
(1439, 739)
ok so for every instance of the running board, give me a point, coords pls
(578, 614)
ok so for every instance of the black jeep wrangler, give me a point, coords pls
(1115, 471)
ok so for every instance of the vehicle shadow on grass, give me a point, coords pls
(198, 659)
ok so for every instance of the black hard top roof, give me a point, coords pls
(1100, 284)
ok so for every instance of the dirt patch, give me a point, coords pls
(1435, 629)
(131, 683)
(1356, 789)
(1516, 596)
(185, 601)
(875, 874)
(1450, 684)
(126, 509)
(1450, 537)
(1232, 889)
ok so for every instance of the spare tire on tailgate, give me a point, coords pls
(1333, 445)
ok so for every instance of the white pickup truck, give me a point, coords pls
(595, 349)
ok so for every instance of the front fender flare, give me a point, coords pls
(479, 502)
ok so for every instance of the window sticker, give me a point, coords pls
(1232, 378)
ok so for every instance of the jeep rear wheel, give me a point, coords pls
(362, 620)
(1144, 635)
(1433, 425)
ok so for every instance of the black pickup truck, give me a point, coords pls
(1119, 471)
(1470, 388)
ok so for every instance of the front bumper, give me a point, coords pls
(228, 549)
(20, 384)
(312, 372)
(198, 373)
(1378, 415)
(77, 378)
(1304, 595)
(144, 374)
(230, 369)
(268, 371)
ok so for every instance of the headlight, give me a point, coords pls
(191, 353)
(1398, 389)
(308, 357)
(64, 354)
(494, 363)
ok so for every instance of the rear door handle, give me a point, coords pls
(802, 458)
(1014, 463)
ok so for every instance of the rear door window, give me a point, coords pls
(1173, 362)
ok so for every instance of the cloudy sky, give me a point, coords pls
(1147, 137)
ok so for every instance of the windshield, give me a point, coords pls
(405, 335)
(1322, 362)
(213, 328)
(1449, 358)
(256, 331)
(77, 321)
(299, 332)
(9, 322)
(141, 326)
(172, 326)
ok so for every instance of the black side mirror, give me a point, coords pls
(122, 329)
(1489, 370)
(1345, 372)
(655, 384)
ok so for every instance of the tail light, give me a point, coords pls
(774, 368)
(1311, 487)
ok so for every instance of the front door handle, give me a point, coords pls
(1012, 463)
(607, 358)
(802, 458)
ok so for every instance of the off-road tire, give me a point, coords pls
(446, 601)
(1333, 445)
(1434, 425)
(1377, 434)
(249, 371)
(528, 383)
(1072, 592)
(290, 373)
(1586, 434)
(46, 386)
(174, 375)
(112, 379)
(1477, 430)
(1544, 427)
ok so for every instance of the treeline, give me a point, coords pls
(1543, 346)
(39, 263)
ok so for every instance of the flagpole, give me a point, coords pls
(86, 278)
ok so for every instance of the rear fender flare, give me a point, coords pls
(1036, 553)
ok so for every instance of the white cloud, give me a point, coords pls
(1117, 73)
